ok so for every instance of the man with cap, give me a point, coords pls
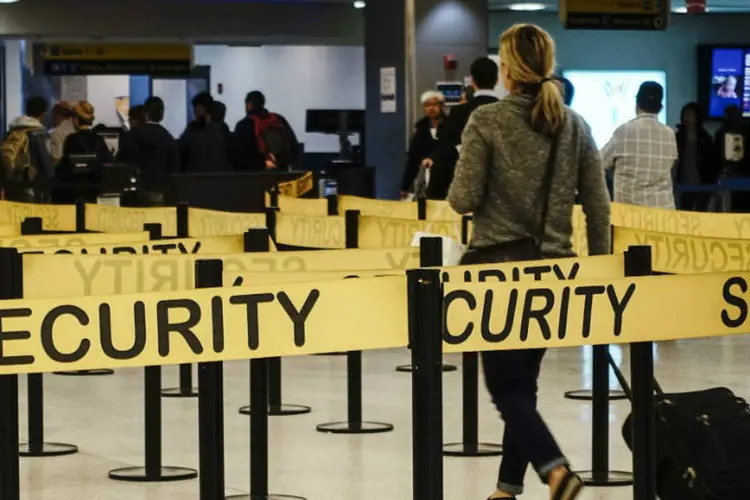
(642, 153)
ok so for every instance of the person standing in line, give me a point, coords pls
(696, 158)
(523, 160)
(156, 154)
(62, 119)
(263, 140)
(642, 154)
(202, 145)
(424, 140)
(442, 162)
(219, 115)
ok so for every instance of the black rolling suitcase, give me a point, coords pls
(702, 444)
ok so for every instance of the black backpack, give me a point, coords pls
(274, 139)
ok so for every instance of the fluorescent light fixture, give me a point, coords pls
(9, 1)
(359, 4)
(527, 6)
(680, 10)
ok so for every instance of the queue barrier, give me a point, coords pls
(52, 243)
(10, 230)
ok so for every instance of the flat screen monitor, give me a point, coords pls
(327, 121)
(723, 79)
(606, 99)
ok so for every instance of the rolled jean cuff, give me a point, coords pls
(513, 489)
(550, 466)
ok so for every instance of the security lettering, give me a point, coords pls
(310, 231)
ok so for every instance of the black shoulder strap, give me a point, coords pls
(547, 185)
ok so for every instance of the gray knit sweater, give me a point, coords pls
(499, 176)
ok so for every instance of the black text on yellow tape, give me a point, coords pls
(674, 253)
(601, 267)
(482, 317)
(202, 223)
(301, 206)
(298, 187)
(184, 246)
(379, 232)
(39, 242)
(54, 217)
(108, 219)
(378, 208)
(75, 276)
(311, 231)
(658, 220)
(201, 326)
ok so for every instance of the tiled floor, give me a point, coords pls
(104, 417)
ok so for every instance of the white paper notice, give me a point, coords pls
(387, 90)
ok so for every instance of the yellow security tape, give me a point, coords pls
(79, 275)
(204, 223)
(45, 242)
(679, 254)
(712, 225)
(300, 206)
(380, 232)
(311, 231)
(483, 316)
(297, 187)
(54, 217)
(107, 219)
(378, 208)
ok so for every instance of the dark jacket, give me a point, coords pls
(84, 142)
(445, 155)
(246, 155)
(421, 146)
(708, 166)
(153, 149)
(203, 148)
(39, 156)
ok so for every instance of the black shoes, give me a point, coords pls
(569, 488)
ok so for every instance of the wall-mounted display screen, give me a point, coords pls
(606, 99)
(724, 79)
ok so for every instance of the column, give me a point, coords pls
(385, 115)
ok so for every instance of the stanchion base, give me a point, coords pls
(330, 354)
(281, 411)
(270, 496)
(166, 474)
(409, 369)
(614, 478)
(87, 373)
(588, 395)
(352, 428)
(472, 450)
(179, 392)
(48, 450)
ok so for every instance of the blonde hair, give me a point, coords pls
(528, 53)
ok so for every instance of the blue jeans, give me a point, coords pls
(511, 378)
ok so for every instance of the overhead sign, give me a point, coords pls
(615, 14)
(161, 60)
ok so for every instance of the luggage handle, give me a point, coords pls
(624, 383)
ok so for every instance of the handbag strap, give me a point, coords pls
(547, 187)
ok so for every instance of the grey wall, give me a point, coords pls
(673, 51)
(204, 20)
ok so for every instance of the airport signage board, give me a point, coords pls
(160, 60)
(647, 15)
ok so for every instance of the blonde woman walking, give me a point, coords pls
(523, 161)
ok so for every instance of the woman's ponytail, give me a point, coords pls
(548, 113)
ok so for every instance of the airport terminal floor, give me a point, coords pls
(104, 417)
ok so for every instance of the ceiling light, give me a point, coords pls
(680, 10)
(359, 4)
(9, 1)
(527, 6)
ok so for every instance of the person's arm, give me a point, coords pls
(470, 179)
(609, 151)
(592, 194)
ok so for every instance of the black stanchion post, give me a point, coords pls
(209, 274)
(81, 228)
(256, 240)
(425, 336)
(638, 263)
(186, 389)
(354, 423)
(274, 195)
(333, 204)
(35, 446)
(153, 470)
(10, 288)
(432, 260)
(470, 445)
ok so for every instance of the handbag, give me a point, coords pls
(528, 248)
